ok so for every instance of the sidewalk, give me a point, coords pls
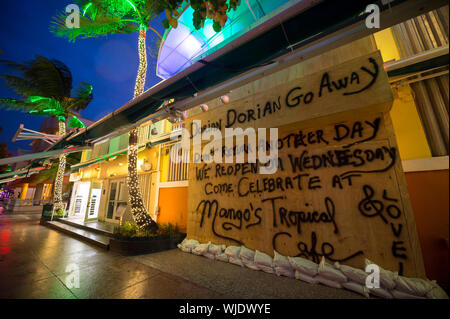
(34, 261)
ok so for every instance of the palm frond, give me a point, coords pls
(102, 25)
(19, 85)
(40, 76)
(82, 96)
(35, 105)
(45, 87)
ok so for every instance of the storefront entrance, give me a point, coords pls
(117, 200)
(94, 201)
(79, 200)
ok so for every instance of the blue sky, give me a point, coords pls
(108, 63)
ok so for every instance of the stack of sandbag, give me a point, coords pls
(329, 275)
(411, 288)
(233, 255)
(356, 279)
(305, 269)
(201, 249)
(282, 265)
(248, 258)
(387, 283)
(187, 245)
(436, 292)
(264, 262)
(338, 276)
(212, 250)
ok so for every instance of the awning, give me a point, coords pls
(153, 142)
(42, 155)
(21, 173)
(428, 60)
(102, 158)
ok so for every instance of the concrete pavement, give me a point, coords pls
(38, 262)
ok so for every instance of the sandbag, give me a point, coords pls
(413, 286)
(249, 264)
(304, 277)
(381, 293)
(235, 261)
(187, 245)
(262, 259)
(286, 272)
(436, 292)
(354, 274)
(222, 257)
(266, 269)
(403, 295)
(184, 249)
(386, 277)
(247, 253)
(304, 265)
(330, 272)
(233, 251)
(215, 249)
(356, 287)
(200, 249)
(327, 282)
(280, 260)
(209, 255)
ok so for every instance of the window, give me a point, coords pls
(431, 88)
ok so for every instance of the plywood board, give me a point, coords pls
(339, 191)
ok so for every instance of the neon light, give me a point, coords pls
(87, 7)
(131, 4)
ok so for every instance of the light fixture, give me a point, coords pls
(204, 107)
(225, 99)
(154, 131)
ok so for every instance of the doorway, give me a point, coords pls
(79, 201)
(117, 201)
(94, 201)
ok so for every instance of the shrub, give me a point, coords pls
(129, 231)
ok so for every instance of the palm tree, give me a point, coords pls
(103, 17)
(45, 89)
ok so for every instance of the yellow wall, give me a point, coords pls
(386, 44)
(172, 206)
(411, 139)
(164, 165)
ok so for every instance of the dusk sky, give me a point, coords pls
(108, 63)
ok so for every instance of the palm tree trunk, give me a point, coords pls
(58, 204)
(138, 210)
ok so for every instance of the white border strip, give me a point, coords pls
(173, 184)
(426, 164)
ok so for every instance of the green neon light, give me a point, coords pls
(131, 4)
(33, 111)
(33, 99)
(87, 7)
(49, 110)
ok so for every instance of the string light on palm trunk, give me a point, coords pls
(58, 204)
(138, 211)
(140, 79)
